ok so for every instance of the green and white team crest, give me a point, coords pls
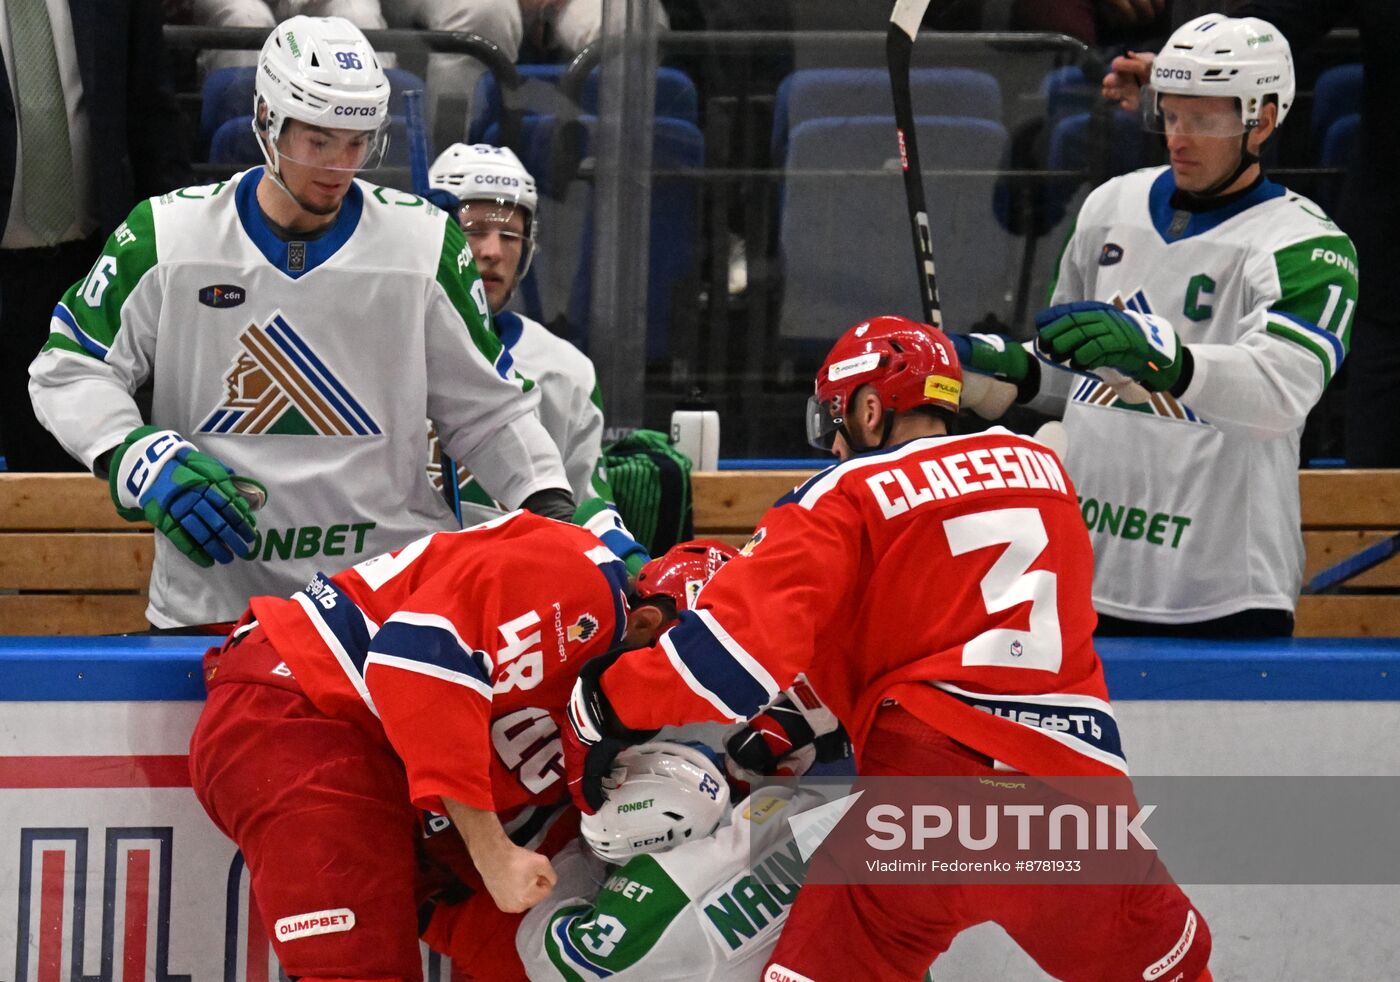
(278, 385)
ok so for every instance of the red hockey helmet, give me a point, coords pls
(907, 363)
(683, 570)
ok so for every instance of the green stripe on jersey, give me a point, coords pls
(459, 279)
(1303, 339)
(632, 910)
(96, 301)
(1318, 283)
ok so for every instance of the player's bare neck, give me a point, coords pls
(287, 219)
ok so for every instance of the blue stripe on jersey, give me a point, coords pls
(615, 572)
(509, 327)
(431, 646)
(1087, 725)
(81, 336)
(560, 929)
(323, 373)
(342, 616)
(1332, 340)
(796, 493)
(314, 372)
(1159, 206)
(715, 668)
(274, 250)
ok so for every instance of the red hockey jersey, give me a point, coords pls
(460, 649)
(952, 574)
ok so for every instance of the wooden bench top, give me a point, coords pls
(84, 570)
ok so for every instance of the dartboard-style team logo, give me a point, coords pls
(278, 384)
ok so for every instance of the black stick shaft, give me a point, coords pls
(899, 48)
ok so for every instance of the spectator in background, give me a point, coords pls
(364, 14)
(1370, 209)
(561, 26)
(89, 126)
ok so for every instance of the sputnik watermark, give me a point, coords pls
(1065, 826)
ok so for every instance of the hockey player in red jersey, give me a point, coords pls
(461, 921)
(929, 586)
(420, 680)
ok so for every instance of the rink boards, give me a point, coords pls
(109, 868)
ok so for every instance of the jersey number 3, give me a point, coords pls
(1009, 584)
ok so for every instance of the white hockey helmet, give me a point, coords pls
(1243, 58)
(481, 172)
(321, 71)
(666, 794)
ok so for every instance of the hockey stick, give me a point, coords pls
(418, 153)
(1354, 565)
(899, 48)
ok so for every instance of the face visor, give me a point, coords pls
(482, 217)
(332, 149)
(1182, 115)
(824, 420)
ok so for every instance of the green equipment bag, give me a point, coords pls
(650, 480)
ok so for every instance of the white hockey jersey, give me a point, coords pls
(570, 408)
(307, 365)
(707, 911)
(1192, 503)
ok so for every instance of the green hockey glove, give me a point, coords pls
(1087, 335)
(190, 497)
(997, 371)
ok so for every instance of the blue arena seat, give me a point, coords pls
(1068, 91)
(1340, 147)
(234, 143)
(1113, 146)
(678, 145)
(844, 239)
(676, 98)
(823, 93)
(1336, 94)
(228, 94)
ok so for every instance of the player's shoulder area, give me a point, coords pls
(563, 357)
(849, 476)
(1286, 219)
(198, 198)
(1116, 193)
(399, 207)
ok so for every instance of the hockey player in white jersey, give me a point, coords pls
(672, 884)
(499, 217)
(1229, 299)
(298, 325)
